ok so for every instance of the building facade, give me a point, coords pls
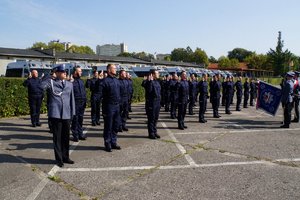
(111, 49)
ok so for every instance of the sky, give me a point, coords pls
(153, 26)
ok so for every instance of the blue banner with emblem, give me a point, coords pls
(268, 98)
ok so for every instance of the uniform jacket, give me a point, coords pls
(34, 86)
(183, 91)
(79, 89)
(215, 89)
(287, 92)
(239, 88)
(61, 102)
(153, 90)
(110, 91)
(203, 89)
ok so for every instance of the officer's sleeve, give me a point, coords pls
(45, 84)
(72, 102)
(26, 83)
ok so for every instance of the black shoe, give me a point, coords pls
(98, 122)
(152, 137)
(229, 113)
(33, 125)
(116, 147)
(295, 120)
(245, 106)
(125, 129)
(157, 136)
(60, 164)
(191, 113)
(238, 109)
(285, 126)
(129, 117)
(181, 128)
(219, 115)
(38, 124)
(107, 149)
(94, 124)
(202, 121)
(173, 117)
(216, 116)
(75, 139)
(184, 126)
(82, 137)
(68, 161)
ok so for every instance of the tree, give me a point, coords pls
(280, 59)
(225, 62)
(212, 59)
(126, 54)
(199, 57)
(57, 46)
(239, 53)
(179, 54)
(258, 61)
(81, 49)
(39, 45)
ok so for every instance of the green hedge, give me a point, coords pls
(14, 101)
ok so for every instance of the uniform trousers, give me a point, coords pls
(111, 116)
(61, 138)
(35, 102)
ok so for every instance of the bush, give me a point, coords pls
(14, 96)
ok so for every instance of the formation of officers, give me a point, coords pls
(66, 101)
(182, 94)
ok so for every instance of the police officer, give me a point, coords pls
(253, 92)
(246, 92)
(296, 96)
(192, 93)
(35, 97)
(166, 92)
(239, 93)
(80, 104)
(215, 95)
(229, 87)
(224, 91)
(95, 101)
(183, 98)
(153, 91)
(130, 90)
(111, 98)
(60, 111)
(203, 90)
(173, 95)
(287, 99)
(124, 86)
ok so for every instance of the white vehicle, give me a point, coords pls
(22, 68)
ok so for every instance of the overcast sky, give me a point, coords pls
(216, 26)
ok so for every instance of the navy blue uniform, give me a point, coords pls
(239, 94)
(130, 90)
(183, 98)
(296, 100)
(93, 85)
(153, 91)
(203, 90)
(192, 95)
(229, 88)
(80, 104)
(253, 92)
(246, 94)
(166, 94)
(223, 102)
(286, 100)
(124, 86)
(215, 97)
(35, 97)
(173, 98)
(111, 98)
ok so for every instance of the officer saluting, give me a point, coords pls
(35, 97)
(60, 111)
(152, 90)
(183, 98)
(111, 98)
(203, 90)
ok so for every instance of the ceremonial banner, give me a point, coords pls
(268, 98)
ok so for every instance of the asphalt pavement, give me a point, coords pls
(244, 155)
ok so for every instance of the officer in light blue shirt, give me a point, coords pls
(287, 99)
(61, 109)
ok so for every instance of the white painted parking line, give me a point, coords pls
(179, 146)
(239, 131)
(39, 188)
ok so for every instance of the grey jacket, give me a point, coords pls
(61, 103)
